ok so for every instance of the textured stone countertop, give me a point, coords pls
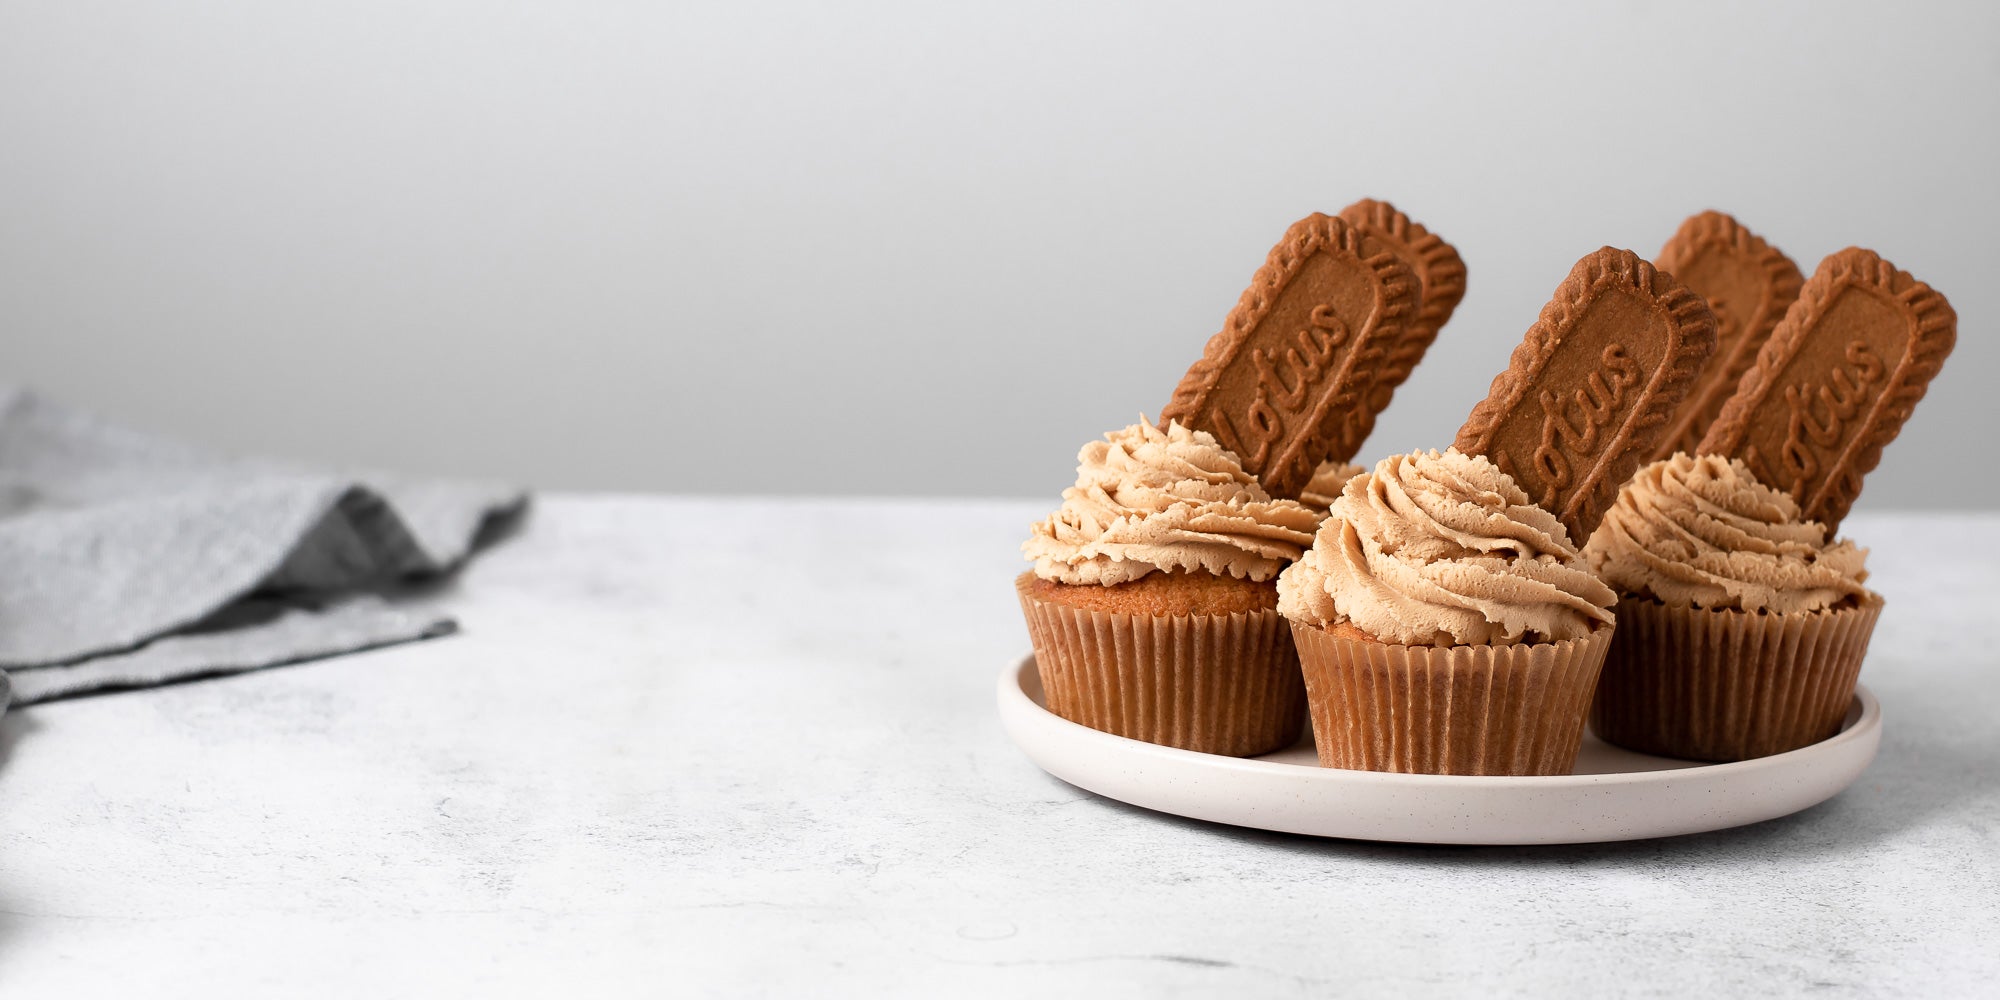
(748, 747)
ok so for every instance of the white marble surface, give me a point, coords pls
(701, 747)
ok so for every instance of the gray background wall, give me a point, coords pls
(903, 249)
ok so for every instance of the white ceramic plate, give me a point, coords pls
(1614, 795)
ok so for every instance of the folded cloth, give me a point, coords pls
(127, 559)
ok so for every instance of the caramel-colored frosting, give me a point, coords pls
(1327, 482)
(1444, 549)
(1148, 499)
(1703, 531)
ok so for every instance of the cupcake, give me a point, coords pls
(1445, 624)
(1741, 625)
(1152, 604)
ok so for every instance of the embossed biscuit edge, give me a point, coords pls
(1935, 331)
(1440, 274)
(1705, 230)
(1689, 323)
(1396, 299)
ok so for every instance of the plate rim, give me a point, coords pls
(1016, 707)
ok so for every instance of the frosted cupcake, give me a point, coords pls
(1445, 624)
(1741, 626)
(1152, 604)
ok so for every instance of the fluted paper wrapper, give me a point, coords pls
(1508, 710)
(1221, 684)
(1725, 685)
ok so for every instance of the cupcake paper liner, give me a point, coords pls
(1221, 684)
(1505, 710)
(1726, 685)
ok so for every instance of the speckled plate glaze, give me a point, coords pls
(1614, 795)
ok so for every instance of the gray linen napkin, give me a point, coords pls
(128, 559)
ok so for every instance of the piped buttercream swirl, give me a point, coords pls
(1702, 531)
(1148, 499)
(1444, 549)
